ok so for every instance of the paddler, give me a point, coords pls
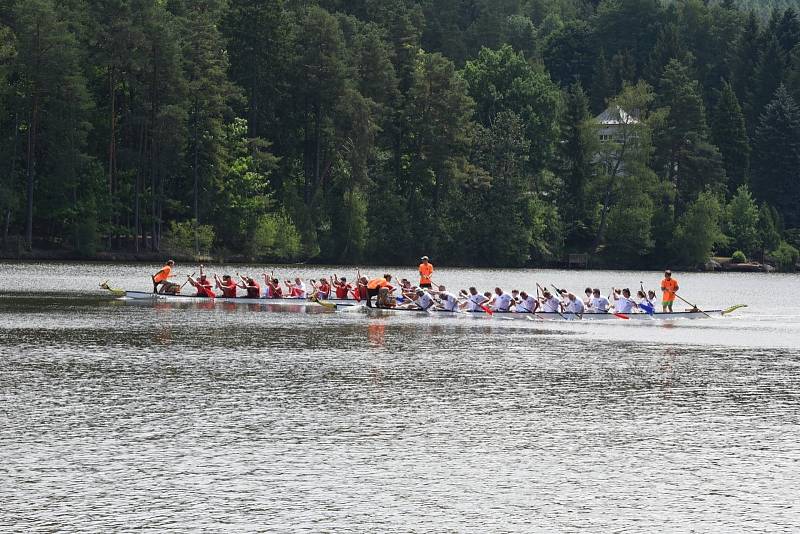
(272, 288)
(162, 276)
(374, 286)
(623, 302)
(526, 304)
(599, 303)
(475, 300)
(448, 301)
(501, 301)
(251, 286)
(550, 303)
(297, 289)
(669, 286)
(574, 305)
(425, 273)
(342, 287)
(226, 285)
(202, 285)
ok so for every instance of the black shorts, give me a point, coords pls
(426, 286)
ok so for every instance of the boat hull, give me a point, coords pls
(547, 316)
(157, 297)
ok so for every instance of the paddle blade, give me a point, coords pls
(487, 309)
(733, 308)
(621, 316)
(648, 309)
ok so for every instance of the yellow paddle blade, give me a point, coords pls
(113, 290)
(733, 308)
(326, 304)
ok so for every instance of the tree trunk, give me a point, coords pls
(31, 170)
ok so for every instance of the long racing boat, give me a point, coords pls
(554, 316)
(159, 297)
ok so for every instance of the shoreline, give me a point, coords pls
(50, 256)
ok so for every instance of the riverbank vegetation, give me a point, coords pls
(367, 131)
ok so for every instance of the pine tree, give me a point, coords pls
(575, 152)
(728, 132)
(769, 74)
(602, 83)
(683, 152)
(776, 162)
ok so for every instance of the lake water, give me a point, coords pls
(121, 416)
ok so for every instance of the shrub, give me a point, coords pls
(276, 237)
(180, 238)
(785, 257)
(739, 257)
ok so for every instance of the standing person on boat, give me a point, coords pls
(623, 302)
(599, 303)
(252, 287)
(501, 301)
(163, 276)
(526, 304)
(574, 305)
(202, 285)
(226, 285)
(374, 286)
(550, 304)
(425, 273)
(297, 290)
(669, 286)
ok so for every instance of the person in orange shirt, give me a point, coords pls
(374, 287)
(669, 286)
(162, 276)
(425, 273)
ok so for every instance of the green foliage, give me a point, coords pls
(741, 221)
(698, 230)
(185, 238)
(738, 257)
(369, 131)
(785, 257)
(276, 238)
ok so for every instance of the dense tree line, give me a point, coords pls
(364, 130)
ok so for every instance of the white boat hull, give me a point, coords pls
(544, 316)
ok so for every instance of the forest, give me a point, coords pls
(374, 132)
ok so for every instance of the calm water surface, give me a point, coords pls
(122, 416)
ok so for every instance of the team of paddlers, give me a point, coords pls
(424, 296)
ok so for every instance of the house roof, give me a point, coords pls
(615, 115)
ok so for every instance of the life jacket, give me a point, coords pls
(377, 283)
(163, 274)
(425, 272)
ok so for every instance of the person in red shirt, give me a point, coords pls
(226, 285)
(361, 289)
(251, 286)
(342, 287)
(323, 289)
(202, 285)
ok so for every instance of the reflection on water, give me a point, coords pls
(194, 417)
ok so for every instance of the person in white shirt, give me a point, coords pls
(502, 301)
(424, 301)
(587, 301)
(297, 289)
(526, 304)
(449, 302)
(550, 304)
(599, 303)
(623, 303)
(574, 305)
(474, 300)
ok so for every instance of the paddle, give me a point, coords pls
(692, 305)
(648, 308)
(579, 316)
(114, 291)
(325, 304)
(726, 311)
(543, 290)
(186, 282)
